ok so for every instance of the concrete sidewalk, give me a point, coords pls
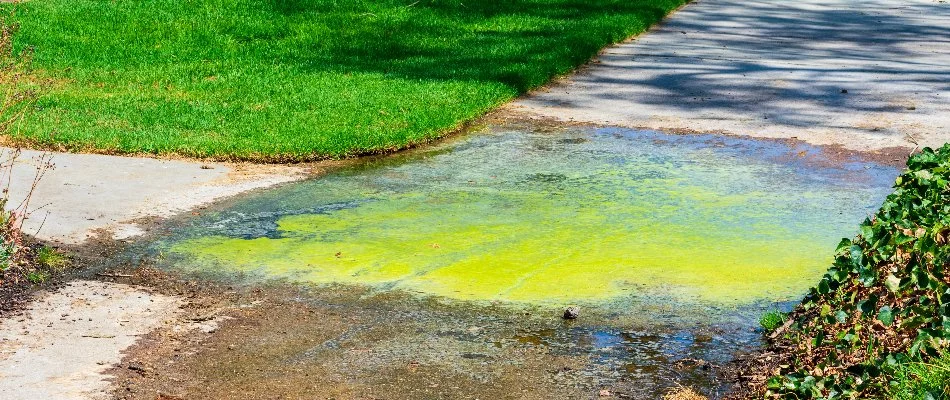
(86, 195)
(863, 74)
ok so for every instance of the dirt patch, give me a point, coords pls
(291, 342)
(344, 342)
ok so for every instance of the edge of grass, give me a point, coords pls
(286, 157)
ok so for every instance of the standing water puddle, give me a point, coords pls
(666, 230)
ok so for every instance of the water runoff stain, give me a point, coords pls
(676, 242)
(579, 216)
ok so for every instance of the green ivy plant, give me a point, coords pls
(884, 303)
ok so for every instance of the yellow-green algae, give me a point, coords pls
(578, 216)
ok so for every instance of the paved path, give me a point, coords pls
(776, 69)
(63, 344)
(86, 195)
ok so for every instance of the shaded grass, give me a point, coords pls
(290, 80)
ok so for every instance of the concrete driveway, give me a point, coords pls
(863, 74)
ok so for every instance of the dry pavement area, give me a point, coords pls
(865, 75)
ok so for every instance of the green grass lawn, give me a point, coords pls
(921, 381)
(291, 80)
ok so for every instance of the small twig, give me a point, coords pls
(203, 318)
(782, 328)
(42, 224)
(98, 336)
(115, 275)
(911, 139)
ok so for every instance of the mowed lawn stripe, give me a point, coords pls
(295, 80)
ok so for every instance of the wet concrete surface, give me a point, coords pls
(280, 336)
(344, 342)
(574, 215)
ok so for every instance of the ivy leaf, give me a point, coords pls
(857, 256)
(867, 276)
(886, 316)
(867, 232)
(823, 286)
(867, 306)
(893, 283)
(838, 275)
(913, 322)
(844, 244)
(900, 238)
(841, 317)
(923, 279)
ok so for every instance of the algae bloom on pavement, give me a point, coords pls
(584, 215)
(290, 80)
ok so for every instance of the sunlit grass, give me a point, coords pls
(772, 320)
(921, 381)
(51, 258)
(287, 80)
